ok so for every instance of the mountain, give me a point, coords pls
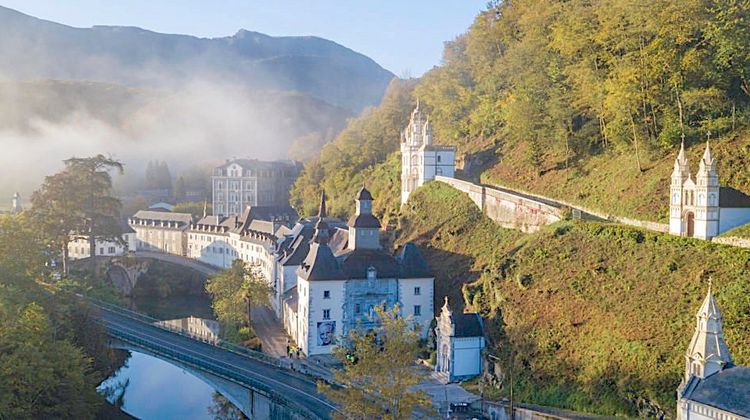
(37, 49)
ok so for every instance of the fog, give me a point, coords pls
(201, 123)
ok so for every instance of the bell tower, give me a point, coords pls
(680, 174)
(707, 197)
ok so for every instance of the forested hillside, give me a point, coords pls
(586, 101)
(598, 316)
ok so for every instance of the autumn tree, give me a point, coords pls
(79, 202)
(379, 372)
(236, 290)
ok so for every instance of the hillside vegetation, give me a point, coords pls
(599, 315)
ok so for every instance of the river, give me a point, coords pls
(149, 388)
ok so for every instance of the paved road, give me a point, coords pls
(281, 382)
(270, 331)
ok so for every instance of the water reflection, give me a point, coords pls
(202, 329)
(150, 388)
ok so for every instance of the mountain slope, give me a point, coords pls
(32, 48)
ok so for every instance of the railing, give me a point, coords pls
(212, 366)
(137, 316)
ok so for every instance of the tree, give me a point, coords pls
(78, 201)
(234, 291)
(41, 377)
(179, 189)
(379, 372)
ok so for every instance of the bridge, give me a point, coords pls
(254, 371)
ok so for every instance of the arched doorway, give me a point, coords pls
(690, 224)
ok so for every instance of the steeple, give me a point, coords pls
(364, 228)
(681, 169)
(321, 227)
(708, 352)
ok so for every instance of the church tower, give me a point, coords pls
(364, 228)
(16, 204)
(680, 174)
(421, 161)
(707, 197)
(708, 352)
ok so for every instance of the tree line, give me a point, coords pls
(579, 77)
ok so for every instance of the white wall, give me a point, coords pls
(310, 313)
(425, 299)
(79, 248)
(467, 360)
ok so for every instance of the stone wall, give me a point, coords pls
(733, 241)
(528, 212)
(507, 208)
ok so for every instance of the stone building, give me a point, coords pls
(713, 387)
(699, 207)
(240, 183)
(344, 277)
(459, 343)
(160, 231)
(421, 160)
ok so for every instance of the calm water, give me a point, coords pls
(150, 388)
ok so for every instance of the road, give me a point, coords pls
(179, 260)
(287, 385)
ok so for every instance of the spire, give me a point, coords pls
(708, 352)
(681, 169)
(322, 209)
(707, 154)
(321, 227)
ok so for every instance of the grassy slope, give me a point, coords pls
(611, 182)
(601, 314)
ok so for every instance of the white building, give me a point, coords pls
(459, 343)
(421, 161)
(240, 183)
(713, 387)
(78, 247)
(345, 276)
(700, 207)
(160, 231)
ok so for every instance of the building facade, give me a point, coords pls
(16, 206)
(160, 231)
(240, 183)
(713, 387)
(459, 340)
(699, 207)
(78, 247)
(421, 160)
(344, 277)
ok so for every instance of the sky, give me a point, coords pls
(404, 36)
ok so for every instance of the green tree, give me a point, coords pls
(41, 377)
(235, 290)
(179, 189)
(377, 381)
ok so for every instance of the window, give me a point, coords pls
(111, 250)
(326, 314)
(357, 308)
(438, 157)
(417, 291)
(101, 251)
(417, 310)
(326, 294)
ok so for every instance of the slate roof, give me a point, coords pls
(259, 164)
(163, 216)
(411, 263)
(726, 390)
(468, 325)
(356, 262)
(320, 264)
(364, 221)
(271, 213)
(732, 198)
(364, 194)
